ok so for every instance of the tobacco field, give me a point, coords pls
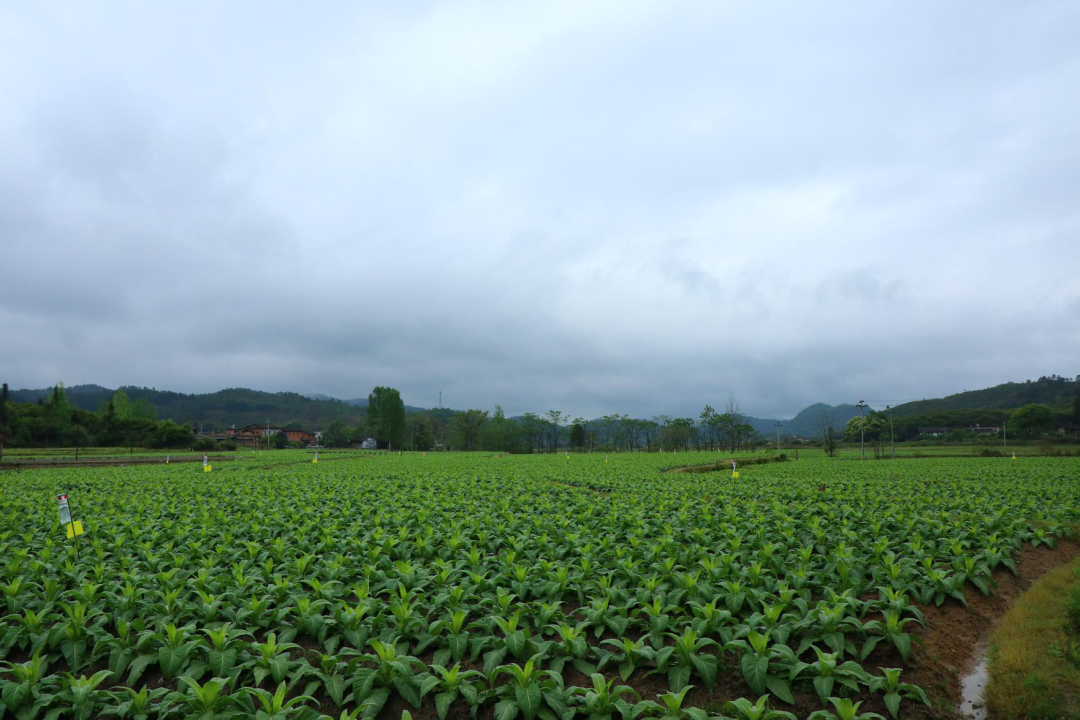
(460, 585)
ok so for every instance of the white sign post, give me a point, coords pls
(73, 527)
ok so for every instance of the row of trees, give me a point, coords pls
(474, 429)
(55, 422)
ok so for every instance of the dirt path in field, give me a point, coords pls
(725, 465)
(110, 462)
(955, 635)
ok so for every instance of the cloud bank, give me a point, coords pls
(602, 207)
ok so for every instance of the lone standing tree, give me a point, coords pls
(386, 417)
(554, 417)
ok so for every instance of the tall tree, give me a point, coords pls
(554, 417)
(121, 404)
(577, 434)
(532, 426)
(3, 417)
(468, 425)
(59, 405)
(707, 425)
(1031, 419)
(4, 408)
(386, 417)
(337, 434)
(829, 435)
(421, 431)
(499, 430)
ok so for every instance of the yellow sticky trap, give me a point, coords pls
(74, 528)
(207, 468)
(735, 474)
(314, 461)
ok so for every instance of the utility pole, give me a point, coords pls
(778, 424)
(267, 433)
(862, 445)
(892, 438)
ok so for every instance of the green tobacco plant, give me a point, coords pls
(271, 658)
(828, 671)
(629, 655)
(891, 628)
(137, 704)
(385, 671)
(846, 709)
(670, 707)
(757, 711)
(207, 700)
(687, 656)
(80, 695)
(29, 691)
(223, 650)
(263, 705)
(766, 666)
(889, 685)
(531, 692)
(603, 700)
(571, 645)
(448, 685)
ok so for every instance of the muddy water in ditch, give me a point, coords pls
(973, 682)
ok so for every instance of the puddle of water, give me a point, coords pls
(971, 688)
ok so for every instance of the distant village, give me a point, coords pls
(256, 435)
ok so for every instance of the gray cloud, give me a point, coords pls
(611, 207)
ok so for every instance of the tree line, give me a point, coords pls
(55, 422)
(392, 428)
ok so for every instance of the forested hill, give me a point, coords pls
(1054, 391)
(217, 410)
(807, 424)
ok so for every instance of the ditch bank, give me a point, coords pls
(956, 638)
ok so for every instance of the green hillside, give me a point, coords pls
(1055, 391)
(217, 410)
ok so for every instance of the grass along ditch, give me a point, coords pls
(1034, 656)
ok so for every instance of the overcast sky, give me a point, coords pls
(597, 207)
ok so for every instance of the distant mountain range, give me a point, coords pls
(1054, 391)
(241, 406)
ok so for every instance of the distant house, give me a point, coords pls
(255, 431)
(368, 443)
(980, 430)
(252, 435)
(934, 431)
(300, 436)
